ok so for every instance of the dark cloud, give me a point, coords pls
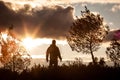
(49, 22)
(7, 16)
(115, 34)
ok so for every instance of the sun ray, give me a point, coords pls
(35, 32)
(30, 32)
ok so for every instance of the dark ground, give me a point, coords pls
(70, 72)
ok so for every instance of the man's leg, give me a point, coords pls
(50, 63)
(56, 63)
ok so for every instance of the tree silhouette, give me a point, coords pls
(14, 56)
(87, 32)
(102, 62)
(113, 52)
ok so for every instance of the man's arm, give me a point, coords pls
(59, 55)
(47, 54)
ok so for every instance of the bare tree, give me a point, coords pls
(113, 52)
(14, 56)
(87, 32)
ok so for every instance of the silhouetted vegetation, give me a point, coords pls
(87, 32)
(14, 55)
(113, 52)
(74, 71)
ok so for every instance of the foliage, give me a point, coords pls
(102, 62)
(14, 56)
(65, 72)
(113, 52)
(87, 32)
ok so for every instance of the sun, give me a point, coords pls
(28, 42)
(31, 43)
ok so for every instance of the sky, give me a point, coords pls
(44, 20)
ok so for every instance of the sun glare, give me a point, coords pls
(38, 56)
(30, 43)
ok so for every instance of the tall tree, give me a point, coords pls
(87, 32)
(14, 56)
(113, 52)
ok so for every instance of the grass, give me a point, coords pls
(73, 71)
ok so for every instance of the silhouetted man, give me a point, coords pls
(54, 53)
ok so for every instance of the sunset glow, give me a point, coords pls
(38, 56)
(64, 1)
(29, 42)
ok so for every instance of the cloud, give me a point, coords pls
(114, 34)
(49, 22)
(91, 1)
(115, 8)
(64, 1)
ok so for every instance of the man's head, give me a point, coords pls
(54, 42)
